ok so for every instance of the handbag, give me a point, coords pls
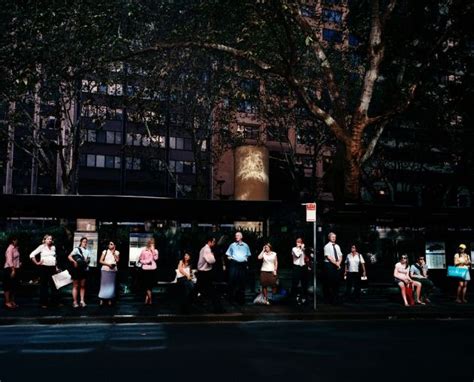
(62, 279)
(457, 272)
(409, 293)
(80, 259)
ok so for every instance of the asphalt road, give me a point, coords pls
(386, 350)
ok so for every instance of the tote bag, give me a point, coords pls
(62, 279)
(457, 272)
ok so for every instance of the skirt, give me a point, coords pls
(78, 273)
(9, 284)
(268, 279)
(468, 276)
(148, 279)
(107, 285)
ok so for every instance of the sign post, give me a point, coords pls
(311, 217)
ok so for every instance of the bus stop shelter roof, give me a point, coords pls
(129, 208)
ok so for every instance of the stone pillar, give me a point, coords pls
(251, 181)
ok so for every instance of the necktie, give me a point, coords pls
(335, 252)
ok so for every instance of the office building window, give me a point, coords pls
(158, 141)
(110, 137)
(133, 163)
(100, 136)
(332, 35)
(109, 161)
(90, 160)
(248, 131)
(176, 143)
(188, 144)
(146, 141)
(332, 16)
(307, 11)
(189, 168)
(353, 40)
(91, 136)
(100, 161)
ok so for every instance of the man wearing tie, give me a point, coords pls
(332, 265)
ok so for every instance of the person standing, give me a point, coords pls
(205, 275)
(353, 264)
(10, 274)
(47, 268)
(184, 278)
(148, 258)
(332, 264)
(79, 258)
(419, 272)
(109, 260)
(299, 272)
(268, 272)
(462, 260)
(238, 254)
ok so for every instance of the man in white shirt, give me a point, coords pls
(205, 275)
(332, 264)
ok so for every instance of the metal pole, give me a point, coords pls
(314, 265)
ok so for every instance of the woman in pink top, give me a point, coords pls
(10, 279)
(148, 258)
(402, 279)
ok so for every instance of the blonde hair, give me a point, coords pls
(45, 237)
(150, 242)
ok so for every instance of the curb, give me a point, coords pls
(234, 317)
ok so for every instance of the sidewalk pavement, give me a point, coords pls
(130, 309)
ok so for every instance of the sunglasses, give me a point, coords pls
(404, 257)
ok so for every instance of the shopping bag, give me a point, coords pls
(259, 300)
(457, 272)
(409, 293)
(62, 279)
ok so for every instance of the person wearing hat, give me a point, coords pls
(462, 260)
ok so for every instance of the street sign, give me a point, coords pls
(311, 212)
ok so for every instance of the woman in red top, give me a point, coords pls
(148, 258)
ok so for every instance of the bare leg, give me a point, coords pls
(464, 291)
(265, 293)
(459, 292)
(75, 285)
(83, 290)
(404, 295)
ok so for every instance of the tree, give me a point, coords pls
(48, 49)
(355, 91)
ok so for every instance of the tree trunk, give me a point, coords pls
(352, 173)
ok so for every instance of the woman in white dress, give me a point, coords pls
(109, 260)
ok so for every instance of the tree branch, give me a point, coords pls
(237, 53)
(375, 56)
(373, 143)
(328, 73)
(319, 113)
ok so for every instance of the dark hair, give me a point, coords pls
(12, 239)
(210, 238)
(83, 238)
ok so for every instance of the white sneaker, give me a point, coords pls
(75, 305)
(83, 304)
